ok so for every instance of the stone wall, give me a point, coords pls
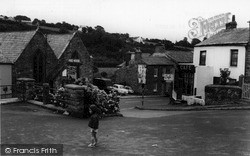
(247, 68)
(222, 94)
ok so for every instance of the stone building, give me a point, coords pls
(43, 58)
(29, 54)
(73, 58)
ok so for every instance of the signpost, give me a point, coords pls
(142, 79)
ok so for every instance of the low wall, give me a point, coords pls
(222, 94)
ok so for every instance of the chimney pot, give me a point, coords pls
(232, 25)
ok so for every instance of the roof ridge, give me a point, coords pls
(67, 44)
(5, 32)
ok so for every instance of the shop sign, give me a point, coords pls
(168, 77)
(74, 60)
(187, 68)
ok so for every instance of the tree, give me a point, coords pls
(224, 75)
(36, 21)
(21, 17)
(195, 41)
(99, 28)
(183, 43)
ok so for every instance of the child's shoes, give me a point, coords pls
(91, 145)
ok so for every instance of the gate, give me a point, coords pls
(246, 91)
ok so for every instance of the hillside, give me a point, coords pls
(107, 49)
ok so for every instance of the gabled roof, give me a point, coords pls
(180, 56)
(59, 42)
(155, 60)
(238, 36)
(12, 44)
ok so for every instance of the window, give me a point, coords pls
(155, 72)
(155, 87)
(164, 70)
(234, 57)
(203, 58)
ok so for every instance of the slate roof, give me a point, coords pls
(3, 59)
(12, 44)
(59, 42)
(180, 56)
(238, 36)
(154, 60)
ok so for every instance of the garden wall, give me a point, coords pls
(222, 94)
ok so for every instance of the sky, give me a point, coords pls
(162, 19)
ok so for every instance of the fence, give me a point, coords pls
(246, 91)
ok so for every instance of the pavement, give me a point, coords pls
(147, 105)
(177, 133)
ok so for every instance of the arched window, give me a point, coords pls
(38, 66)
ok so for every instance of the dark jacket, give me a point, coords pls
(94, 121)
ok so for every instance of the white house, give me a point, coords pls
(5, 75)
(227, 49)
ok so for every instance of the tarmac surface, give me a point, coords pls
(139, 132)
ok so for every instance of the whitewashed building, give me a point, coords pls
(227, 49)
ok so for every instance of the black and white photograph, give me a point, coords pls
(125, 78)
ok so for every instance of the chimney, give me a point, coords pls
(232, 25)
(137, 54)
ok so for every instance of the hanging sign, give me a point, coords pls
(168, 77)
(142, 74)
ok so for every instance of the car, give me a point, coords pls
(120, 89)
(103, 84)
(130, 90)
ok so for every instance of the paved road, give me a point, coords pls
(173, 134)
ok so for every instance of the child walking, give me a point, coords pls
(93, 124)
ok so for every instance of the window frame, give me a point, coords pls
(234, 60)
(202, 61)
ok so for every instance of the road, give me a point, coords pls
(163, 133)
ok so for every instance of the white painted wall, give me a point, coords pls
(203, 77)
(5, 76)
(217, 57)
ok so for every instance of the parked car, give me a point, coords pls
(120, 89)
(103, 84)
(130, 90)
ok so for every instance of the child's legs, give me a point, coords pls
(94, 137)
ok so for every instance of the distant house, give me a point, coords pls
(44, 58)
(184, 70)
(166, 72)
(230, 49)
(138, 39)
